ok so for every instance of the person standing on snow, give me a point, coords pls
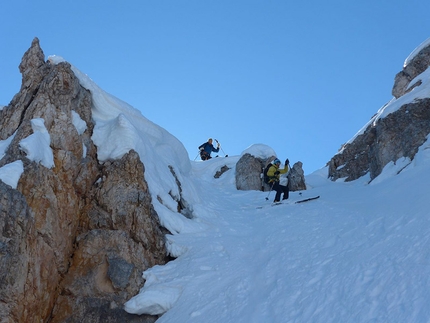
(274, 174)
(207, 148)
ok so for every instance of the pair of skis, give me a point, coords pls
(300, 201)
(297, 202)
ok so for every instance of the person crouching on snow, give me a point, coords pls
(206, 149)
(274, 174)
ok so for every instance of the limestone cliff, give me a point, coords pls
(75, 237)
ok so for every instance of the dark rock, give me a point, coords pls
(219, 173)
(119, 271)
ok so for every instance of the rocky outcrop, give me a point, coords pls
(296, 177)
(74, 238)
(121, 238)
(249, 174)
(418, 64)
(398, 134)
(220, 172)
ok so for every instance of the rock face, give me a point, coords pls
(418, 64)
(385, 140)
(296, 177)
(249, 174)
(74, 238)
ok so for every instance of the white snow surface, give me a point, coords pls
(359, 253)
(10, 173)
(79, 124)
(4, 144)
(37, 145)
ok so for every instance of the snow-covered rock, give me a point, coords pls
(397, 130)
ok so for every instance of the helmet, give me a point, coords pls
(276, 161)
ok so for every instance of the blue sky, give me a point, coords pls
(300, 77)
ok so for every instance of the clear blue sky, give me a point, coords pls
(300, 76)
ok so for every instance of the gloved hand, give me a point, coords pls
(287, 162)
(201, 149)
(219, 145)
(277, 172)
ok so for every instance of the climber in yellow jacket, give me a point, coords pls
(273, 175)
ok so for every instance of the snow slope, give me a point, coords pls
(358, 254)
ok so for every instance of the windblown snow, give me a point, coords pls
(360, 253)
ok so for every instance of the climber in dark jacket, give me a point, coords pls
(207, 148)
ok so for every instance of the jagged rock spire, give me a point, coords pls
(78, 234)
(33, 59)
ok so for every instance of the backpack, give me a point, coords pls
(265, 177)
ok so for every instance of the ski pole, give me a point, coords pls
(220, 147)
(271, 187)
(197, 156)
(262, 180)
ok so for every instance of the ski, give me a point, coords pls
(276, 203)
(286, 203)
(273, 204)
(308, 199)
